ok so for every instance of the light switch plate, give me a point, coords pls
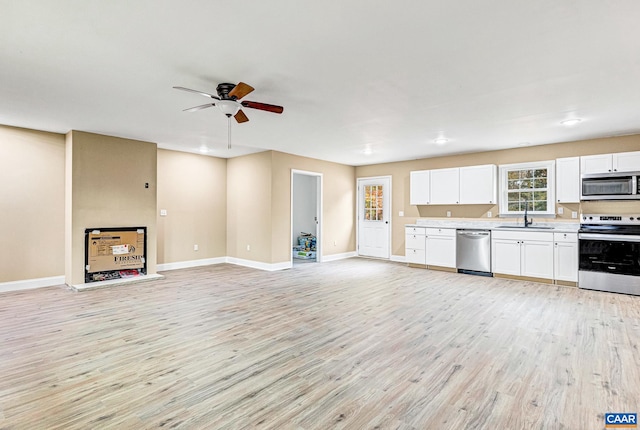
(574, 214)
(560, 210)
(401, 213)
(163, 212)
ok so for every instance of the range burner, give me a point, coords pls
(610, 224)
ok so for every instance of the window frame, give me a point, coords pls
(503, 171)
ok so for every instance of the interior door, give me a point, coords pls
(374, 197)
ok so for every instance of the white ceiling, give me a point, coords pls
(390, 76)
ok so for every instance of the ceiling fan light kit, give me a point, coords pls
(228, 102)
(228, 107)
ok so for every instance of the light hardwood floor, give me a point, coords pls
(354, 344)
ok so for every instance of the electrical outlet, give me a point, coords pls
(335, 243)
(163, 212)
(489, 214)
(401, 213)
(248, 247)
(574, 214)
(195, 247)
(448, 213)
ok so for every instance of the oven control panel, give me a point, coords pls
(610, 219)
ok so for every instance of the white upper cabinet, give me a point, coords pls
(479, 184)
(600, 163)
(419, 187)
(568, 180)
(604, 163)
(626, 162)
(445, 186)
(471, 185)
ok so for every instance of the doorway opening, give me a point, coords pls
(306, 217)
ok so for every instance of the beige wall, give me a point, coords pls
(221, 205)
(108, 190)
(193, 190)
(249, 207)
(31, 204)
(259, 206)
(400, 173)
(338, 212)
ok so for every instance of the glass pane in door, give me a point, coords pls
(373, 199)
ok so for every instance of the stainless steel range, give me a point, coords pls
(610, 253)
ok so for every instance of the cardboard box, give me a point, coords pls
(112, 249)
(304, 255)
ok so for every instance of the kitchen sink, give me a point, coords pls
(530, 227)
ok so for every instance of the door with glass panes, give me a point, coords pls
(374, 197)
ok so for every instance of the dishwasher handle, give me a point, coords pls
(474, 233)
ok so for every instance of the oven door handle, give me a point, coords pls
(611, 237)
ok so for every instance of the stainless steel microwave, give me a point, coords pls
(610, 186)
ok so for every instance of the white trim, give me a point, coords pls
(29, 284)
(270, 267)
(193, 263)
(319, 211)
(115, 282)
(335, 257)
(399, 258)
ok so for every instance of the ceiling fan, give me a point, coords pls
(228, 101)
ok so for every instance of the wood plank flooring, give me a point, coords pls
(352, 344)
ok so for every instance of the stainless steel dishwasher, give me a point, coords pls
(473, 252)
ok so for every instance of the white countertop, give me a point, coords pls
(497, 224)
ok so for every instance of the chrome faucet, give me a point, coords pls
(527, 222)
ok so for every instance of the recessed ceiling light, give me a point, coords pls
(367, 151)
(572, 121)
(204, 149)
(441, 140)
(524, 143)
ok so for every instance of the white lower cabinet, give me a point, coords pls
(565, 256)
(537, 259)
(522, 253)
(414, 245)
(505, 256)
(440, 247)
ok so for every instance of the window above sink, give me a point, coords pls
(527, 185)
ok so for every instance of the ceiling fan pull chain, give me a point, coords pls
(229, 134)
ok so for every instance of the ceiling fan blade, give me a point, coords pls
(262, 106)
(240, 91)
(195, 108)
(197, 92)
(241, 117)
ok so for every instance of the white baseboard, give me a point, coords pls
(29, 284)
(192, 263)
(260, 265)
(399, 258)
(334, 257)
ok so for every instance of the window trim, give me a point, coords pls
(503, 169)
